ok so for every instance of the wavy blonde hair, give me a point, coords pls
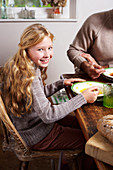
(19, 72)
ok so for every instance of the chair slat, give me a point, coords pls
(6, 120)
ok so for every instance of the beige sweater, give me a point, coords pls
(96, 38)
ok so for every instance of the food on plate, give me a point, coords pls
(81, 86)
(111, 74)
(99, 89)
(105, 127)
(108, 73)
(82, 90)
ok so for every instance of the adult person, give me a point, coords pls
(41, 125)
(91, 50)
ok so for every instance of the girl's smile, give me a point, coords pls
(42, 52)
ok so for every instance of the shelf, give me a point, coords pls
(39, 20)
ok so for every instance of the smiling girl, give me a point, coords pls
(42, 126)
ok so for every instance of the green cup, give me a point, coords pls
(108, 95)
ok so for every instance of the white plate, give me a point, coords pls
(81, 86)
(108, 73)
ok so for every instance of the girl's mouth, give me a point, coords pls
(44, 61)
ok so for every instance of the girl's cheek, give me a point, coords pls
(51, 55)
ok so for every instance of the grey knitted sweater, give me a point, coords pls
(35, 126)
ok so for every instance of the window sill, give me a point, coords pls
(40, 20)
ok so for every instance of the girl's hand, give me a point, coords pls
(91, 94)
(69, 82)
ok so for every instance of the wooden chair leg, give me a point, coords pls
(74, 164)
(60, 161)
(24, 165)
(52, 164)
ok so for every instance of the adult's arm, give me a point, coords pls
(84, 40)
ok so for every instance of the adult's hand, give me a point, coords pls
(92, 69)
(89, 58)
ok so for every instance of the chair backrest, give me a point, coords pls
(6, 122)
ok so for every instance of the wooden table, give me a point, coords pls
(89, 114)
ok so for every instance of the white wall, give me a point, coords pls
(63, 31)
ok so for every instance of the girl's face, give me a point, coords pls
(42, 52)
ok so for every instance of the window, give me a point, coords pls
(33, 3)
(29, 3)
(38, 9)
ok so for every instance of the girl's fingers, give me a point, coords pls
(77, 79)
(94, 89)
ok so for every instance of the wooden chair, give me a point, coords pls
(14, 143)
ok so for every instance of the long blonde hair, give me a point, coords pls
(19, 72)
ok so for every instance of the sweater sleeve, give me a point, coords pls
(50, 113)
(84, 40)
(53, 88)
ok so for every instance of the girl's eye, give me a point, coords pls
(50, 48)
(40, 49)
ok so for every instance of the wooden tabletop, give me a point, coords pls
(89, 114)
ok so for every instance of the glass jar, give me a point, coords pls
(11, 9)
(4, 10)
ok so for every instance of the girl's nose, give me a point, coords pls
(46, 53)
